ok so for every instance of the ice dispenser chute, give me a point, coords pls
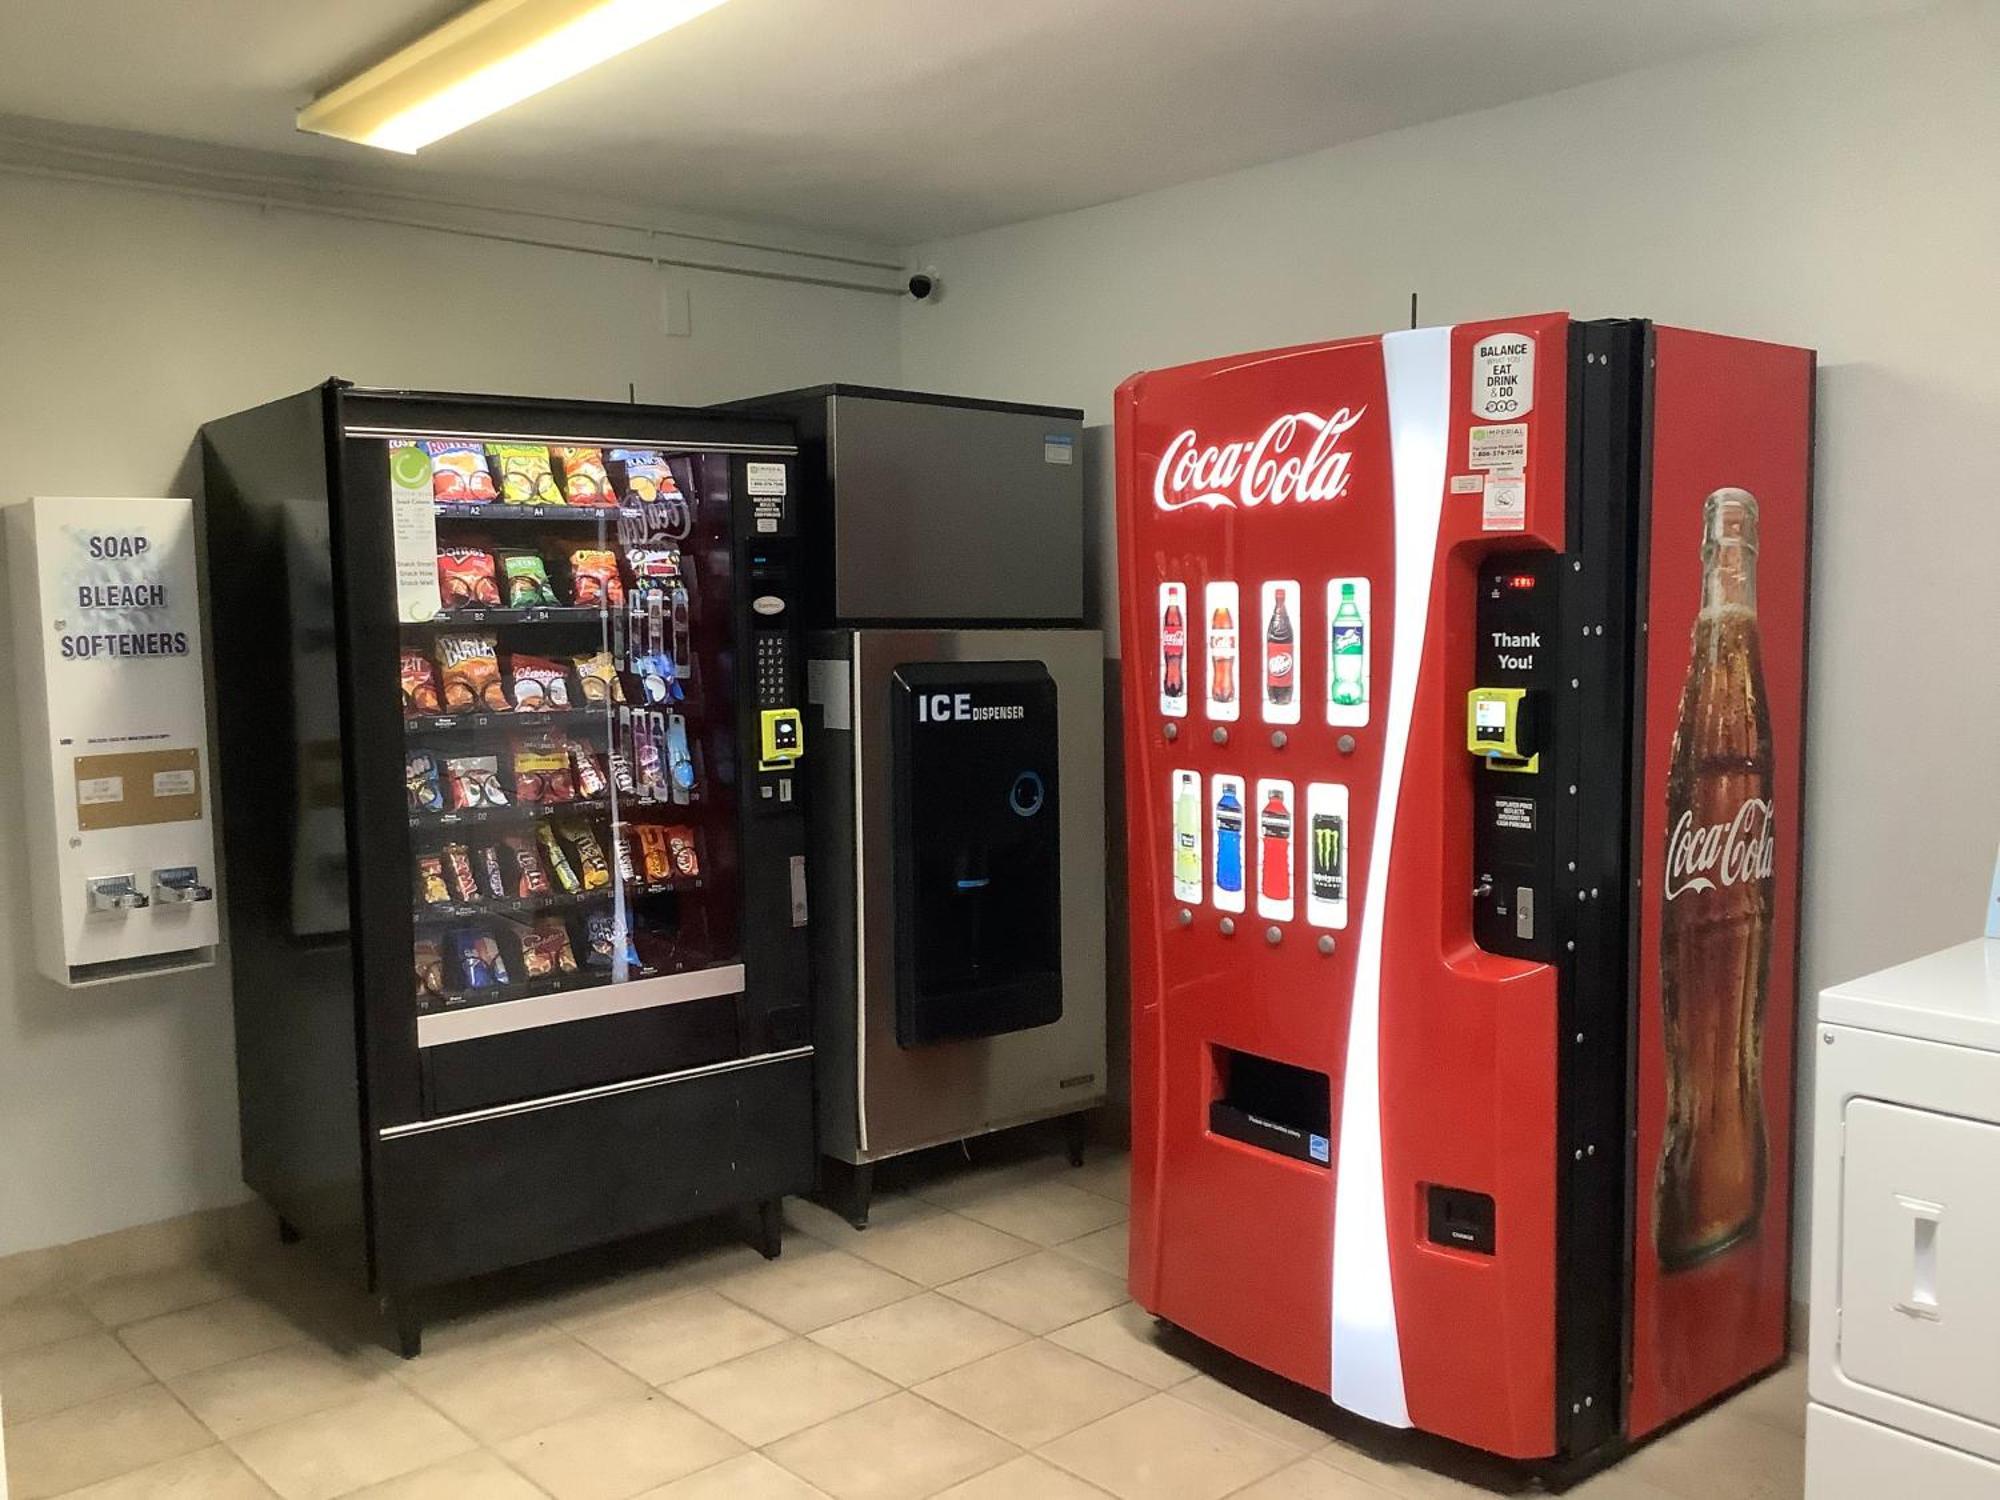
(978, 851)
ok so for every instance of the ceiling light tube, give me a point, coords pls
(497, 53)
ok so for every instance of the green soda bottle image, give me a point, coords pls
(1350, 651)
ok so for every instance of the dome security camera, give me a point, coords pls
(924, 284)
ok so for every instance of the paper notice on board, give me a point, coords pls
(413, 525)
(1505, 506)
(1468, 484)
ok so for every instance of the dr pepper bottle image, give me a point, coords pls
(1717, 896)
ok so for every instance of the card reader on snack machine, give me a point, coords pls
(114, 721)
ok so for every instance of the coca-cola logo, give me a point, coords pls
(1744, 848)
(1297, 459)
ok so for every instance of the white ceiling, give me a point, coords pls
(893, 121)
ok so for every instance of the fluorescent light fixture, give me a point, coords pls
(496, 53)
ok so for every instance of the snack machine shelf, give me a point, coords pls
(524, 989)
(512, 812)
(537, 614)
(456, 911)
(541, 719)
(517, 512)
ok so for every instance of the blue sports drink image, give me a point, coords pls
(1229, 841)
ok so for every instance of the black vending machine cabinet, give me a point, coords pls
(514, 835)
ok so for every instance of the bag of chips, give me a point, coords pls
(466, 580)
(545, 948)
(594, 578)
(459, 474)
(458, 873)
(475, 782)
(680, 842)
(597, 675)
(423, 778)
(657, 855)
(561, 875)
(541, 773)
(591, 866)
(527, 579)
(528, 876)
(584, 480)
(469, 666)
(420, 685)
(524, 474)
(479, 962)
(430, 880)
(603, 938)
(647, 477)
(540, 683)
(493, 872)
(429, 967)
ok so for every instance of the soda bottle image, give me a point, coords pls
(1173, 653)
(1327, 867)
(1222, 656)
(1350, 651)
(1229, 841)
(1187, 836)
(1716, 905)
(1274, 865)
(1279, 660)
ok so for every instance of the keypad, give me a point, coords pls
(773, 689)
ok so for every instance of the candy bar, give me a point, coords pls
(420, 685)
(459, 474)
(625, 853)
(475, 781)
(529, 878)
(423, 779)
(524, 474)
(584, 480)
(458, 873)
(680, 842)
(493, 872)
(470, 669)
(589, 768)
(591, 865)
(560, 872)
(527, 579)
(539, 682)
(430, 880)
(657, 853)
(466, 578)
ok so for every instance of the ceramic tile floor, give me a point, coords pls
(975, 1343)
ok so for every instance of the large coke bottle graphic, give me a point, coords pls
(1717, 895)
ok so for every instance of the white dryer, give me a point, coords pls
(1905, 1329)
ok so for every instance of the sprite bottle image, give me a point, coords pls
(1350, 650)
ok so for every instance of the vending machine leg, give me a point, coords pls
(406, 1325)
(288, 1232)
(771, 1228)
(847, 1188)
(1076, 1135)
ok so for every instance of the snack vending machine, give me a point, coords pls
(1463, 716)
(514, 842)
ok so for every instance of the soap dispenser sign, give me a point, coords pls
(107, 626)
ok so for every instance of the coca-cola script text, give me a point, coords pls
(1744, 848)
(1298, 458)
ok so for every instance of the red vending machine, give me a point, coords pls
(1463, 700)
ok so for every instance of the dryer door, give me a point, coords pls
(1919, 1299)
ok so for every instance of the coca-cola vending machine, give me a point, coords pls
(1463, 704)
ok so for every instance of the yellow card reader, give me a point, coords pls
(783, 739)
(1500, 728)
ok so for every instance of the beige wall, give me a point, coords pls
(126, 320)
(1842, 193)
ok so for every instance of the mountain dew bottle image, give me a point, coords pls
(1350, 651)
